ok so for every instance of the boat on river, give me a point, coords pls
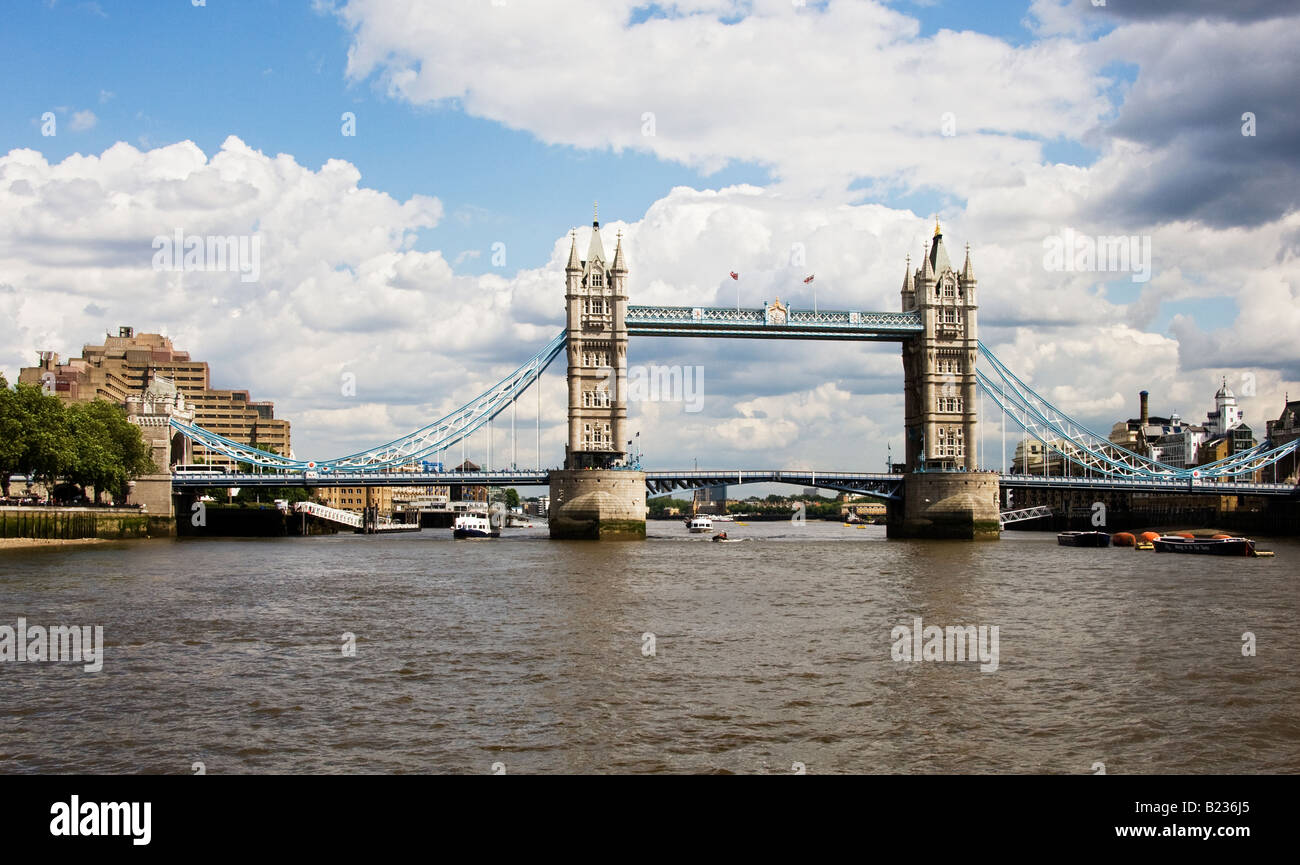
(699, 524)
(1083, 539)
(1216, 546)
(473, 526)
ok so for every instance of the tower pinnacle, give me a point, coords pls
(574, 263)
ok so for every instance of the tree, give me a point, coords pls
(103, 448)
(512, 498)
(40, 424)
(659, 506)
(88, 444)
(12, 443)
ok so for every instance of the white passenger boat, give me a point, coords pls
(473, 526)
(699, 524)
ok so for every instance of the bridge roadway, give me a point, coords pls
(882, 485)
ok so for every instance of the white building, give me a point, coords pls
(1226, 416)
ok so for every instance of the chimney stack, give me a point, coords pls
(1143, 414)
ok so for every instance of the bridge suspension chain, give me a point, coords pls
(1073, 441)
(448, 430)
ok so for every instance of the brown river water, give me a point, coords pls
(678, 655)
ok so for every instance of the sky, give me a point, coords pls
(412, 171)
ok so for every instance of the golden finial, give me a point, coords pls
(937, 232)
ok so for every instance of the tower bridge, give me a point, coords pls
(599, 492)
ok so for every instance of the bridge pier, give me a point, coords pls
(597, 505)
(957, 505)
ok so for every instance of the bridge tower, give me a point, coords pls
(597, 495)
(939, 366)
(595, 298)
(945, 495)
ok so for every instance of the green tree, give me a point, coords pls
(104, 449)
(86, 444)
(126, 446)
(39, 420)
(658, 507)
(12, 443)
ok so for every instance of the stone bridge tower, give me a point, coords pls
(596, 495)
(595, 298)
(940, 416)
(944, 493)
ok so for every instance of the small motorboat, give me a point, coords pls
(723, 518)
(721, 538)
(699, 524)
(470, 526)
(1083, 539)
(1216, 546)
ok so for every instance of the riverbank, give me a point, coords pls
(29, 543)
(82, 523)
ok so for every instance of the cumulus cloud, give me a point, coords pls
(823, 95)
(343, 291)
(83, 120)
(1213, 102)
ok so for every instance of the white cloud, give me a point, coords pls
(822, 95)
(343, 291)
(83, 120)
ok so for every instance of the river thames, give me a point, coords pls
(674, 655)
